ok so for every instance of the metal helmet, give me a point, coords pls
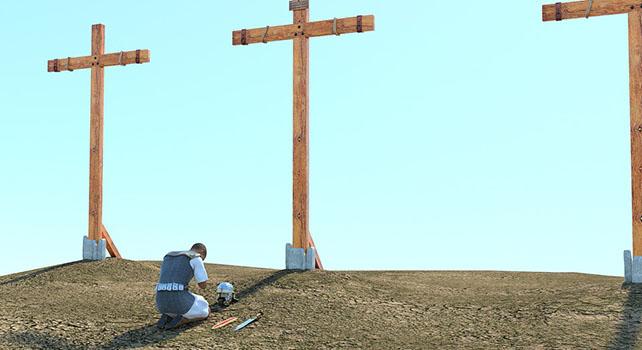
(225, 294)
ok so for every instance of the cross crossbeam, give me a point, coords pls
(122, 58)
(336, 26)
(579, 9)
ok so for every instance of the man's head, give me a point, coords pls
(201, 249)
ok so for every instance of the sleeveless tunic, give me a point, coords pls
(176, 269)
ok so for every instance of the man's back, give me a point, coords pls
(173, 299)
(176, 268)
(172, 296)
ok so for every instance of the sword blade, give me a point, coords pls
(244, 324)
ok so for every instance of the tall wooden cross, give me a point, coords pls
(591, 8)
(97, 61)
(300, 32)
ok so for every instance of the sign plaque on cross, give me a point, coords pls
(97, 62)
(300, 31)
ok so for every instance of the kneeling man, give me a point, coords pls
(174, 301)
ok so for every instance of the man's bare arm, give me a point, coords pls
(202, 285)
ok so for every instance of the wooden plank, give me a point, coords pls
(635, 82)
(577, 9)
(110, 59)
(300, 164)
(309, 29)
(96, 135)
(317, 261)
(111, 247)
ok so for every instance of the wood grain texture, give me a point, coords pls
(309, 29)
(635, 82)
(110, 59)
(96, 135)
(111, 247)
(577, 9)
(301, 133)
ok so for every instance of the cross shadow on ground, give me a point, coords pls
(254, 287)
(140, 337)
(266, 281)
(628, 328)
(39, 272)
(145, 336)
(41, 341)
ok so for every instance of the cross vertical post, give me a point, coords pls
(300, 32)
(96, 134)
(301, 142)
(97, 62)
(635, 96)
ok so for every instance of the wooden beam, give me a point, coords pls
(317, 261)
(110, 59)
(635, 82)
(301, 134)
(577, 9)
(96, 135)
(309, 29)
(111, 247)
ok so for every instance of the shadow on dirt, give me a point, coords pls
(140, 337)
(39, 272)
(254, 288)
(145, 336)
(628, 329)
(41, 341)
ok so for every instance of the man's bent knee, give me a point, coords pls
(200, 310)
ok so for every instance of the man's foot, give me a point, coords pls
(164, 320)
(176, 322)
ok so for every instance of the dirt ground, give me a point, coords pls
(110, 305)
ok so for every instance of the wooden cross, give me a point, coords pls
(97, 61)
(300, 31)
(591, 8)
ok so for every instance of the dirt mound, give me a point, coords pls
(110, 270)
(110, 305)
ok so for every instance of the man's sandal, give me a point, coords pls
(176, 322)
(164, 320)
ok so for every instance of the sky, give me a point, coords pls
(467, 138)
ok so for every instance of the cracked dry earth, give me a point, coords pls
(110, 305)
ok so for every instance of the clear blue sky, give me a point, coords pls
(452, 137)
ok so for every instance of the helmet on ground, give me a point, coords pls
(225, 294)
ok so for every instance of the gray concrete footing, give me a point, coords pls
(632, 268)
(299, 258)
(92, 250)
(310, 259)
(636, 269)
(628, 267)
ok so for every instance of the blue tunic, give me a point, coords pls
(176, 269)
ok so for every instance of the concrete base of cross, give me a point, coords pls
(92, 250)
(632, 268)
(299, 258)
